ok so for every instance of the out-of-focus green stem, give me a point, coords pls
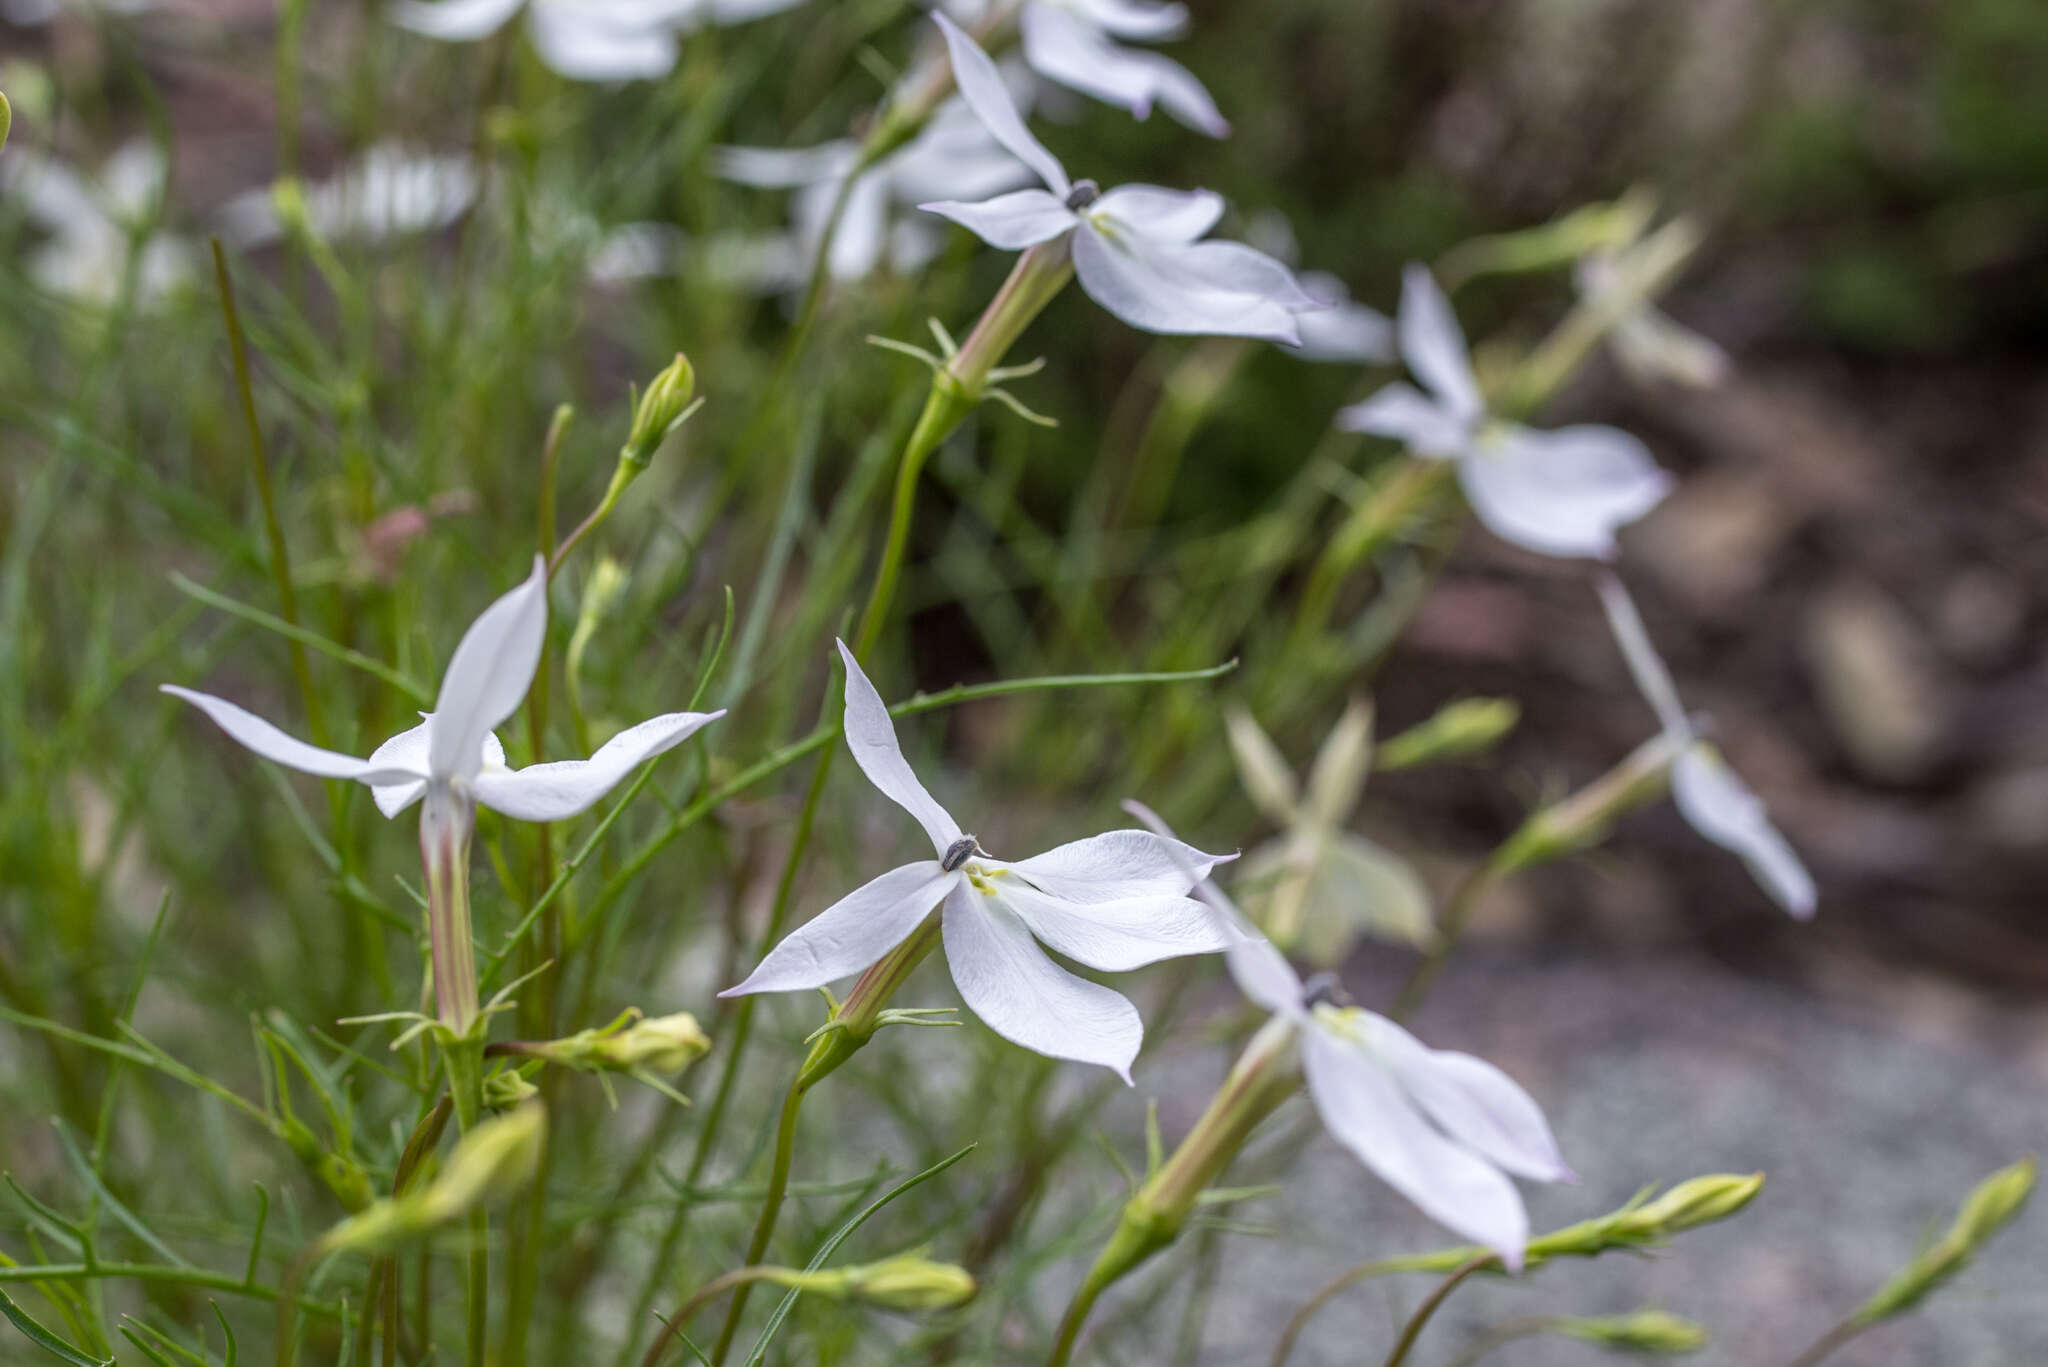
(1425, 1311)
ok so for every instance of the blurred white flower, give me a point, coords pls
(93, 224)
(1444, 1129)
(1563, 492)
(1114, 902)
(1647, 343)
(1316, 886)
(1073, 43)
(586, 40)
(1709, 795)
(392, 191)
(1343, 330)
(954, 154)
(1135, 247)
(453, 753)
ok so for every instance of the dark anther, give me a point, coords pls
(1083, 194)
(957, 852)
(1324, 989)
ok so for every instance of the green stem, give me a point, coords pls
(1825, 1346)
(742, 1276)
(943, 411)
(1429, 1307)
(764, 1227)
(1337, 1286)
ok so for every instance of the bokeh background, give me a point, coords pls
(1849, 578)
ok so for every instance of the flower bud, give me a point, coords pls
(666, 1045)
(911, 1282)
(1702, 1201)
(506, 1089)
(494, 1162)
(1582, 819)
(1466, 727)
(1986, 1210)
(6, 118)
(1644, 1331)
(659, 411)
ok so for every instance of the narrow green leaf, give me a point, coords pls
(45, 1340)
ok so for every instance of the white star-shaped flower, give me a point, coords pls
(1444, 1129)
(1563, 492)
(392, 191)
(1114, 902)
(1074, 43)
(1135, 247)
(586, 40)
(1709, 794)
(1647, 342)
(93, 224)
(453, 751)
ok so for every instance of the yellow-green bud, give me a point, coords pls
(1583, 819)
(909, 1281)
(666, 1044)
(507, 1089)
(660, 411)
(1701, 1201)
(1644, 1331)
(1986, 1210)
(6, 118)
(288, 199)
(600, 592)
(494, 1162)
(1466, 727)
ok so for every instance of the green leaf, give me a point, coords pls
(45, 1340)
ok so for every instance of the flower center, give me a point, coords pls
(957, 853)
(1084, 193)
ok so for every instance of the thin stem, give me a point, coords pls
(942, 413)
(1505, 1332)
(717, 1286)
(1076, 1316)
(1429, 1307)
(771, 1208)
(1827, 1343)
(1335, 1287)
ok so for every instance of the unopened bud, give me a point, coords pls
(659, 411)
(6, 119)
(1583, 819)
(1466, 727)
(1701, 1201)
(288, 201)
(494, 1162)
(601, 592)
(1986, 1210)
(911, 1282)
(1644, 1331)
(505, 1090)
(666, 1045)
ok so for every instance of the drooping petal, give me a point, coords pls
(1651, 675)
(1722, 808)
(981, 85)
(852, 933)
(1014, 221)
(1156, 212)
(1564, 492)
(1063, 47)
(254, 733)
(1474, 1102)
(1007, 980)
(1122, 275)
(1406, 414)
(488, 675)
(1116, 866)
(560, 790)
(1267, 780)
(587, 47)
(1116, 936)
(408, 750)
(1434, 345)
(871, 736)
(456, 21)
(1367, 1112)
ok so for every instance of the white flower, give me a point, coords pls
(453, 750)
(954, 154)
(1562, 492)
(1114, 902)
(1343, 330)
(1444, 1129)
(1318, 885)
(1712, 799)
(1073, 43)
(93, 225)
(393, 191)
(1648, 343)
(586, 40)
(1134, 247)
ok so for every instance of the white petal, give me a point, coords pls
(1345, 331)
(1014, 221)
(1267, 780)
(1336, 780)
(558, 791)
(853, 932)
(1006, 979)
(1063, 48)
(1132, 19)
(1367, 1112)
(872, 738)
(863, 225)
(785, 168)
(1116, 936)
(254, 733)
(1156, 212)
(1124, 278)
(1564, 492)
(600, 46)
(1233, 268)
(1723, 809)
(488, 674)
(1116, 866)
(1651, 347)
(1434, 345)
(1474, 1102)
(1648, 667)
(458, 21)
(1406, 414)
(981, 85)
(408, 750)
